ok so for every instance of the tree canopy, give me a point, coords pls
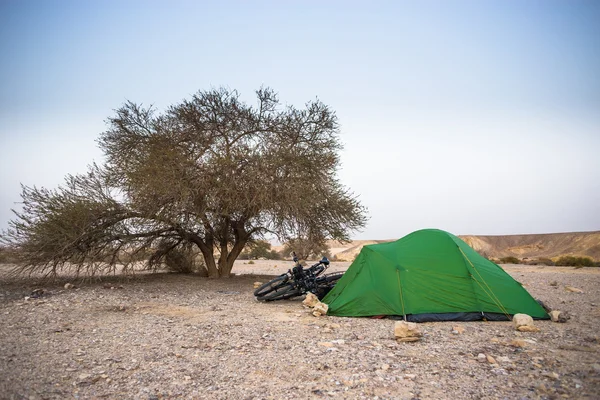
(211, 172)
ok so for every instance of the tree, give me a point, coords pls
(306, 249)
(212, 172)
(259, 249)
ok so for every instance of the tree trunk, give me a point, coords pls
(211, 265)
(224, 269)
(228, 258)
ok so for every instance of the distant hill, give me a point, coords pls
(549, 245)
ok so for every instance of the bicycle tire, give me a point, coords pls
(282, 293)
(326, 283)
(268, 287)
(330, 278)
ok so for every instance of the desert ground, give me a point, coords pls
(181, 336)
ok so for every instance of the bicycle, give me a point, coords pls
(298, 281)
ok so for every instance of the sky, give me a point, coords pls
(476, 117)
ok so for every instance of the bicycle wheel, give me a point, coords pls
(330, 278)
(284, 292)
(327, 282)
(268, 287)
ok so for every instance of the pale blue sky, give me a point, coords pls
(477, 117)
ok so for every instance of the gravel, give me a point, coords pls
(169, 336)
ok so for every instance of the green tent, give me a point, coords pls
(429, 275)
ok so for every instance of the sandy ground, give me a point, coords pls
(178, 336)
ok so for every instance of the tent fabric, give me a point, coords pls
(428, 273)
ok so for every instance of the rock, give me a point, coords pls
(559, 316)
(407, 330)
(517, 343)
(524, 323)
(321, 308)
(385, 367)
(69, 286)
(83, 377)
(490, 359)
(564, 317)
(410, 376)
(522, 320)
(481, 357)
(527, 328)
(554, 283)
(573, 289)
(504, 359)
(458, 330)
(316, 314)
(257, 285)
(311, 300)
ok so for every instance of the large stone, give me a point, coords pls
(311, 300)
(522, 320)
(559, 316)
(404, 330)
(321, 308)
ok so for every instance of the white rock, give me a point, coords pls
(403, 329)
(520, 320)
(311, 300)
(321, 308)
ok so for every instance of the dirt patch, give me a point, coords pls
(171, 336)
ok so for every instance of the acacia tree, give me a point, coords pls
(211, 172)
(306, 249)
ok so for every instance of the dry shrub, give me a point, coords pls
(571, 261)
(509, 260)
